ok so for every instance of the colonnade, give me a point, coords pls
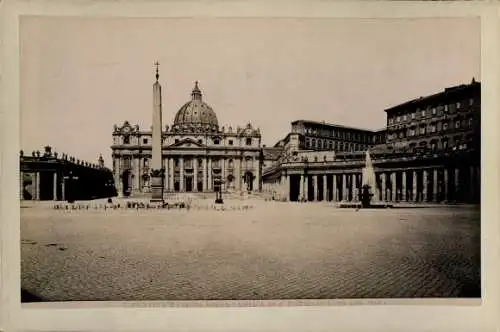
(194, 174)
(35, 191)
(429, 184)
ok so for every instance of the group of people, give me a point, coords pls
(151, 206)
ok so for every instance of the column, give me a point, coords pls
(424, 185)
(393, 186)
(171, 176)
(383, 191)
(21, 185)
(195, 174)
(116, 175)
(456, 190)
(435, 185)
(415, 192)
(54, 187)
(281, 186)
(344, 187)
(63, 189)
(204, 170)
(445, 183)
(209, 170)
(334, 188)
(237, 172)
(325, 188)
(181, 174)
(306, 187)
(315, 187)
(353, 186)
(403, 186)
(165, 175)
(37, 186)
(136, 166)
(287, 187)
(301, 187)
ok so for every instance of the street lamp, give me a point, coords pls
(69, 179)
(218, 192)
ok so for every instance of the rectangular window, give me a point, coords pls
(413, 116)
(404, 117)
(471, 101)
(398, 118)
(422, 113)
(458, 105)
(230, 142)
(433, 111)
(145, 141)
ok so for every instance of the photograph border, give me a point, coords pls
(408, 315)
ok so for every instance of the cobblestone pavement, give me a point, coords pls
(274, 251)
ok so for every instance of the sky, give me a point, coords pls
(81, 76)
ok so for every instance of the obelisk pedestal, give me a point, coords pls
(157, 170)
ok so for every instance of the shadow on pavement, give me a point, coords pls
(29, 297)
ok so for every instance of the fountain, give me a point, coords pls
(369, 194)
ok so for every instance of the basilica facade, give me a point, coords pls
(198, 155)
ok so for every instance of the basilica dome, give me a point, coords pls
(196, 114)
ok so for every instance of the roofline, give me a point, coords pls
(332, 125)
(447, 91)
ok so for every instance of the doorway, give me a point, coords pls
(248, 179)
(189, 184)
(126, 183)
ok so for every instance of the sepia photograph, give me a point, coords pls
(180, 159)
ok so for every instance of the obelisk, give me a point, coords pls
(157, 170)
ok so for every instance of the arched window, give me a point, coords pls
(126, 140)
(249, 141)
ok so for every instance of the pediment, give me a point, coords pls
(188, 143)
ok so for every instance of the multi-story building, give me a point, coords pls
(198, 155)
(316, 136)
(442, 121)
(429, 152)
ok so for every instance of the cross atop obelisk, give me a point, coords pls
(157, 64)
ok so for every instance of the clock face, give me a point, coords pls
(126, 130)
